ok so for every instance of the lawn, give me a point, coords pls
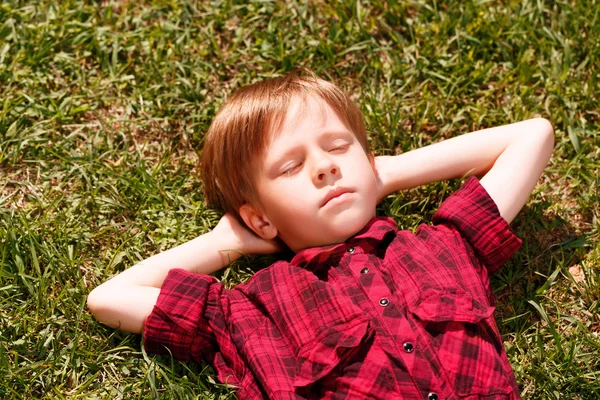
(103, 110)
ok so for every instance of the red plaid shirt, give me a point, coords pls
(388, 314)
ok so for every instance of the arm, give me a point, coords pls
(512, 158)
(126, 300)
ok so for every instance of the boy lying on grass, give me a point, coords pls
(362, 310)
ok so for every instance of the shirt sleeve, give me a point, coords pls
(472, 212)
(191, 321)
(177, 321)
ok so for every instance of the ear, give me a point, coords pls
(258, 222)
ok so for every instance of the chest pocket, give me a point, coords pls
(450, 304)
(332, 351)
(463, 333)
(311, 332)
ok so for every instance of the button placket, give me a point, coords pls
(364, 267)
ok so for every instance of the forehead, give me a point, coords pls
(305, 115)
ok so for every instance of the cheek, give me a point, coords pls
(361, 168)
(285, 199)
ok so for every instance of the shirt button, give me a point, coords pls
(350, 250)
(384, 302)
(432, 396)
(408, 347)
(364, 270)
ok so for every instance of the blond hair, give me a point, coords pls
(241, 131)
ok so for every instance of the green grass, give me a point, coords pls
(103, 108)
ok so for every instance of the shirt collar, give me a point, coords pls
(378, 231)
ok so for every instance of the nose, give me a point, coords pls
(325, 167)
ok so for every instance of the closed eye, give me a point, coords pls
(291, 169)
(339, 149)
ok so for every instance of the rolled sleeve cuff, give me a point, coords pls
(474, 214)
(176, 322)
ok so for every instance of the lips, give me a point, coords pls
(332, 194)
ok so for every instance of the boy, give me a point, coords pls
(362, 310)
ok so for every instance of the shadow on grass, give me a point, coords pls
(551, 245)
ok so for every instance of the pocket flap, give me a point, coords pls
(331, 347)
(451, 304)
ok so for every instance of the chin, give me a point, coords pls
(352, 226)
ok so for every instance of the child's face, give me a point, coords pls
(317, 186)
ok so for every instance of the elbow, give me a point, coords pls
(98, 302)
(543, 134)
(124, 308)
(94, 301)
(544, 128)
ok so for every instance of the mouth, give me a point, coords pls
(335, 195)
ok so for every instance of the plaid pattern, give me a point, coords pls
(388, 314)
